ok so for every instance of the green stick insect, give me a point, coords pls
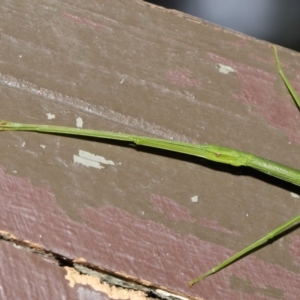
(210, 152)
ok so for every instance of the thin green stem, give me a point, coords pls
(248, 249)
(214, 153)
(285, 80)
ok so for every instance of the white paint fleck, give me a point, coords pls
(247, 215)
(91, 160)
(50, 116)
(43, 146)
(194, 198)
(18, 246)
(94, 157)
(122, 80)
(169, 295)
(79, 122)
(225, 69)
(294, 195)
(23, 144)
(15, 171)
(88, 163)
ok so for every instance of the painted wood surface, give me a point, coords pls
(149, 217)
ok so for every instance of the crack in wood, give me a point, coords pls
(76, 267)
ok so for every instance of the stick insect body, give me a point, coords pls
(214, 153)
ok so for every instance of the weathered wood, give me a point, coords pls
(131, 67)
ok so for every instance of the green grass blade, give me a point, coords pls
(285, 80)
(210, 152)
(248, 249)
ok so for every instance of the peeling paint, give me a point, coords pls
(79, 122)
(194, 198)
(88, 163)
(74, 277)
(50, 116)
(160, 253)
(167, 294)
(91, 160)
(81, 272)
(225, 69)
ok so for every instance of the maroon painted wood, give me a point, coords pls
(131, 67)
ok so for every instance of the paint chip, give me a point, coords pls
(79, 122)
(95, 284)
(194, 198)
(91, 160)
(294, 195)
(43, 146)
(50, 116)
(225, 69)
(166, 295)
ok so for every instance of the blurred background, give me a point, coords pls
(276, 21)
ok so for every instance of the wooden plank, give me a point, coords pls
(136, 68)
(25, 275)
